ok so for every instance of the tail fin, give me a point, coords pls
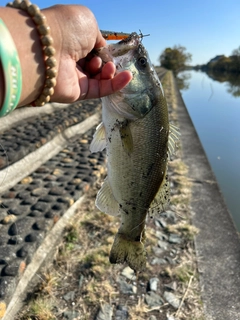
(132, 252)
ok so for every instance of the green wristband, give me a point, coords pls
(11, 70)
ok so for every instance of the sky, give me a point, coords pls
(205, 27)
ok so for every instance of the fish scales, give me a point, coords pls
(140, 173)
(135, 132)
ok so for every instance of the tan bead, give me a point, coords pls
(24, 5)
(51, 73)
(46, 98)
(33, 10)
(42, 100)
(43, 29)
(39, 19)
(38, 103)
(16, 3)
(48, 91)
(47, 40)
(51, 82)
(49, 51)
(51, 62)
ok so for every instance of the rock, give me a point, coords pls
(157, 251)
(9, 219)
(81, 279)
(58, 172)
(171, 286)
(71, 315)
(39, 192)
(69, 296)
(152, 317)
(158, 261)
(21, 226)
(170, 317)
(162, 223)
(17, 211)
(7, 287)
(153, 300)
(170, 260)
(162, 244)
(26, 180)
(153, 282)
(171, 299)
(174, 238)
(127, 288)
(105, 313)
(121, 313)
(14, 240)
(160, 235)
(40, 206)
(129, 273)
(170, 215)
(84, 141)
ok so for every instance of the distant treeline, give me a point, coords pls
(224, 69)
(222, 63)
(228, 64)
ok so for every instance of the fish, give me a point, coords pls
(138, 139)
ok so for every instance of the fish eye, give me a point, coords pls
(142, 62)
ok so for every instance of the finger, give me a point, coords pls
(100, 88)
(100, 41)
(94, 65)
(108, 70)
(118, 82)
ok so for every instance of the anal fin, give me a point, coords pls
(105, 200)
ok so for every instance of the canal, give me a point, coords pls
(214, 108)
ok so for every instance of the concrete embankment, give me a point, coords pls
(217, 244)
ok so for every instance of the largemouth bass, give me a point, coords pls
(136, 134)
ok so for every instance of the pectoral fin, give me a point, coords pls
(126, 137)
(99, 139)
(105, 200)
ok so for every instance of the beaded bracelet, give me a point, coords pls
(48, 51)
(11, 71)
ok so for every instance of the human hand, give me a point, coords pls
(80, 76)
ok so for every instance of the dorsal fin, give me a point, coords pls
(173, 137)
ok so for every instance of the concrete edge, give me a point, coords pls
(217, 244)
(16, 172)
(42, 253)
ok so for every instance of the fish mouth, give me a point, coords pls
(123, 46)
(120, 48)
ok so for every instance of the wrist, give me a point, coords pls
(2, 89)
(28, 45)
(35, 50)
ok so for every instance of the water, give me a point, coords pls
(215, 113)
